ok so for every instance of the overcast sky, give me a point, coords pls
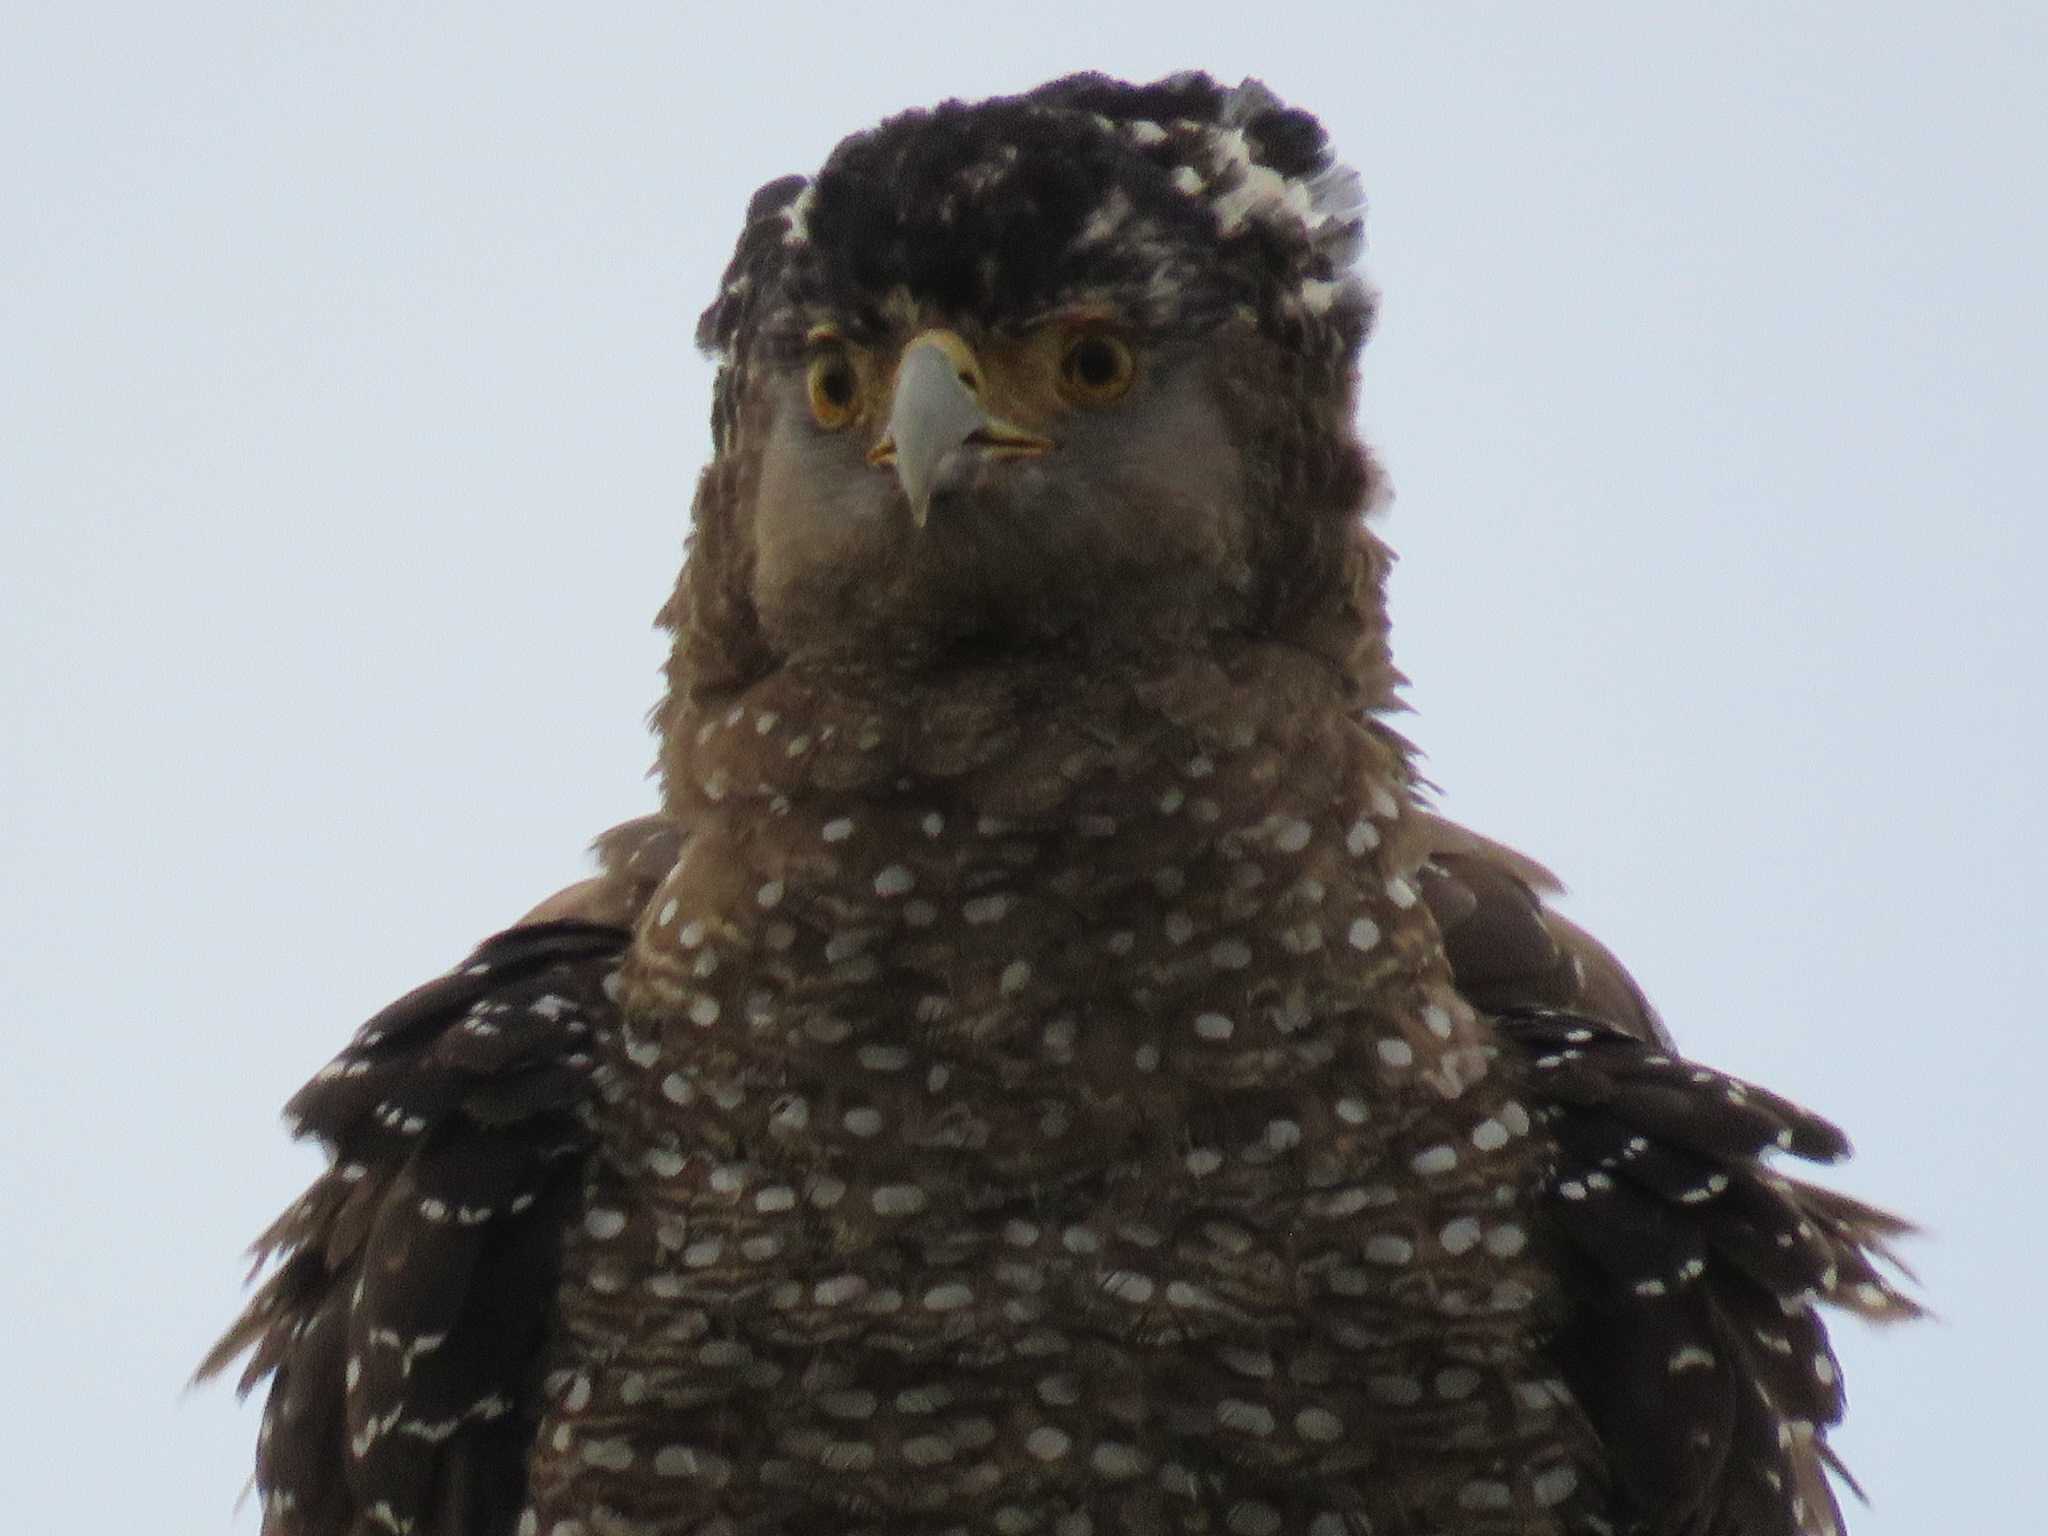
(348, 422)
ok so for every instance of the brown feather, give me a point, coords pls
(1042, 1070)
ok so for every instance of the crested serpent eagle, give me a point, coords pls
(1045, 1067)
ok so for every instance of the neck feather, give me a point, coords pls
(1095, 899)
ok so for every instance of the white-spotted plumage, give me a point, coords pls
(1043, 1069)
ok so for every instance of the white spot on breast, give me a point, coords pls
(1129, 1285)
(1302, 938)
(1484, 1493)
(1319, 1426)
(1363, 934)
(1350, 1281)
(949, 1297)
(704, 1012)
(1059, 1390)
(1116, 1461)
(1489, 1135)
(927, 1450)
(1255, 1363)
(1387, 1248)
(839, 1290)
(1047, 1443)
(663, 1162)
(1506, 1241)
(1396, 1052)
(862, 1121)
(987, 909)
(895, 880)
(848, 1403)
(1554, 1485)
(1339, 1204)
(727, 1179)
(691, 1461)
(614, 1455)
(769, 896)
(1457, 1381)
(1460, 1235)
(1441, 1158)
(602, 1224)
(898, 1200)
(1230, 954)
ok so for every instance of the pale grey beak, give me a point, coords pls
(933, 414)
(937, 413)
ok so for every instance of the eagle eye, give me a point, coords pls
(834, 388)
(1096, 368)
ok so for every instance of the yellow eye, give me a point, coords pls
(1096, 368)
(834, 388)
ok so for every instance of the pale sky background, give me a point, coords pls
(348, 422)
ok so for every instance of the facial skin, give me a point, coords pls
(1076, 484)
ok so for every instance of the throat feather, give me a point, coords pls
(1028, 916)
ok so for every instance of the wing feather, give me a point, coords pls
(403, 1323)
(1695, 1270)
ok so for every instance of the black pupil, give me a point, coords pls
(835, 385)
(1094, 363)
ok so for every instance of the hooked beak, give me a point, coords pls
(937, 411)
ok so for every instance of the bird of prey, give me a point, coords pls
(1045, 1068)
